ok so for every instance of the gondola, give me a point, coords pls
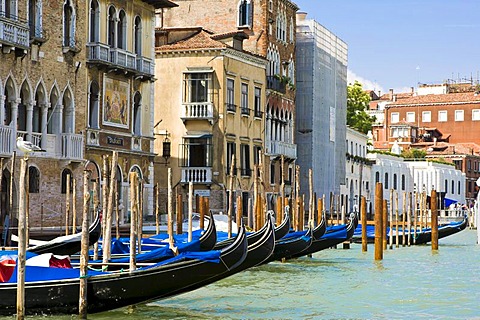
(120, 253)
(106, 291)
(331, 238)
(207, 239)
(290, 245)
(279, 231)
(319, 230)
(259, 250)
(420, 237)
(70, 244)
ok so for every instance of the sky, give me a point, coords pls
(396, 44)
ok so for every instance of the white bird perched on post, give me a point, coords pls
(27, 147)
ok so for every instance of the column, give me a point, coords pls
(13, 123)
(29, 125)
(2, 109)
(44, 123)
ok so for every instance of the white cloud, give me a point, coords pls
(372, 85)
(366, 84)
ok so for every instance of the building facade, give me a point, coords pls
(42, 94)
(357, 171)
(210, 106)
(270, 25)
(75, 80)
(321, 106)
(120, 116)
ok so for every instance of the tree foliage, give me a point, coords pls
(357, 104)
(414, 153)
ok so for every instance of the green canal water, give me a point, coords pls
(409, 283)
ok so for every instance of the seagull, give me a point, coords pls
(27, 147)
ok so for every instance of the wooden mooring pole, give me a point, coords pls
(133, 221)
(384, 223)
(82, 304)
(22, 245)
(170, 209)
(363, 213)
(67, 205)
(107, 237)
(434, 219)
(378, 221)
(190, 209)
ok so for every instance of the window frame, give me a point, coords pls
(424, 116)
(440, 116)
(459, 115)
(395, 117)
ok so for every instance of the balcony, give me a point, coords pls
(102, 53)
(66, 146)
(145, 66)
(14, 32)
(231, 107)
(273, 83)
(258, 114)
(197, 175)
(197, 111)
(71, 146)
(278, 148)
(6, 146)
(245, 111)
(123, 58)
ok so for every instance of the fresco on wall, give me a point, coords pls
(116, 98)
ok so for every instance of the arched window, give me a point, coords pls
(35, 18)
(11, 9)
(377, 177)
(395, 181)
(122, 30)
(403, 182)
(458, 189)
(33, 180)
(65, 173)
(386, 180)
(453, 187)
(53, 117)
(137, 115)
(68, 124)
(68, 24)
(94, 21)
(138, 36)
(111, 30)
(446, 186)
(93, 103)
(244, 13)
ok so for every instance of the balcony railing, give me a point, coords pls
(6, 147)
(246, 172)
(275, 84)
(14, 32)
(197, 111)
(103, 53)
(98, 52)
(231, 107)
(245, 111)
(199, 175)
(123, 58)
(281, 148)
(72, 146)
(258, 113)
(145, 65)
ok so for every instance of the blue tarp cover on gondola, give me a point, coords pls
(33, 273)
(338, 234)
(155, 254)
(210, 256)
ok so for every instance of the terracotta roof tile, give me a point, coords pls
(199, 40)
(437, 99)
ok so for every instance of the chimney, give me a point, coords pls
(412, 90)
(435, 141)
(390, 95)
(394, 99)
(301, 16)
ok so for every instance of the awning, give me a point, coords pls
(197, 135)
